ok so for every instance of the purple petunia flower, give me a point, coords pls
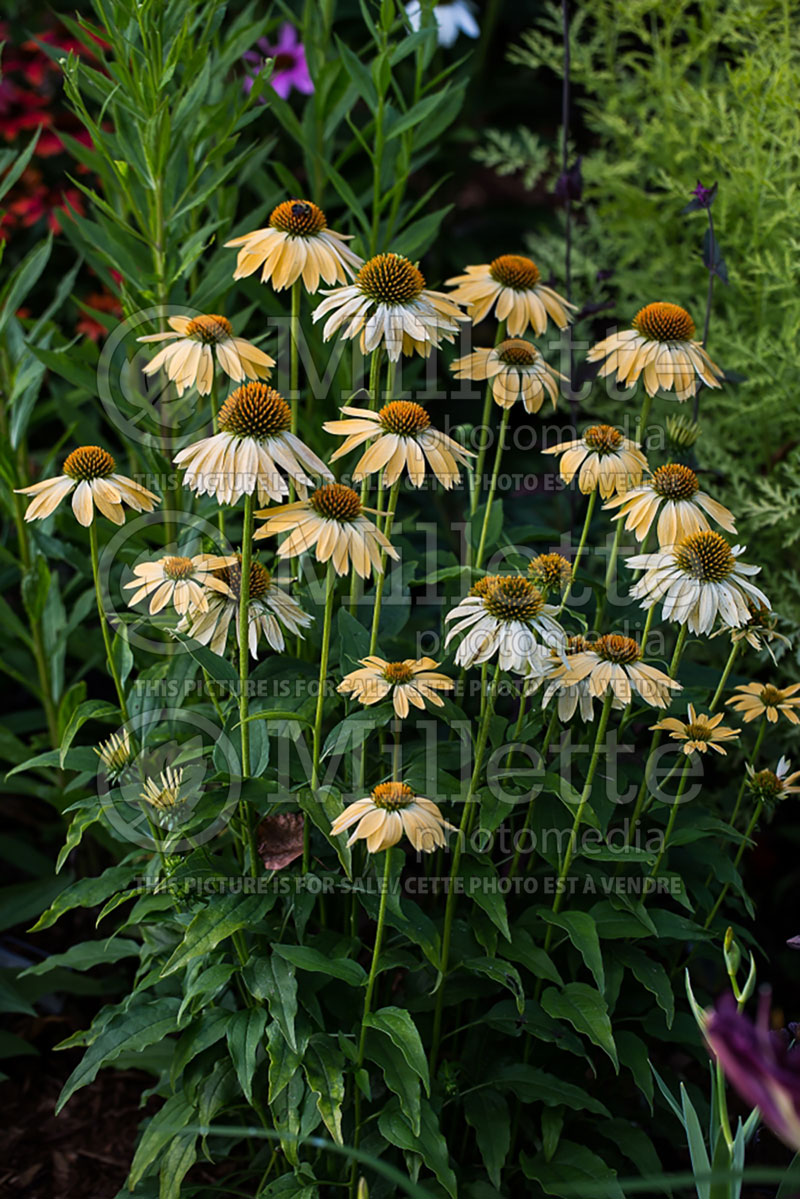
(762, 1065)
(290, 69)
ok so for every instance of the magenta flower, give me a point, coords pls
(289, 67)
(762, 1065)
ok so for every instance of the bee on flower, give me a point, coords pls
(503, 616)
(602, 458)
(512, 286)
(271, 611)
(188, 358)
(517, 371)
(661, 348)
(698, 580)
(413, 681)
(296, 243)
(388, 304)
(390, 811)
(699, 733)
(753, 700)
(404, 440)
(90, 475)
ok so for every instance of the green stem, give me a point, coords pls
(585, 796)
(244, 673)
(463, 833)
(294, 365)
(641, 424)
(725, 675)
(754, 819)
(492, 487)
(381, 579)
(673, 816)
(374, 392)
(548, 737)
(112, 666)
(644, 789)
(373, 974)
(330, 587)
(483, 447)
(587, 520)
(611, 574)
(215, 425)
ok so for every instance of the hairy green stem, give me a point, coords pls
(98, 591)
(463, 833)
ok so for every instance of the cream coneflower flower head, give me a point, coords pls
(759, 632)
(412, 681)
(164, 791)
(698, 579)
(544, 664)
(512, 284)
(389, 811)
(388, 304)
(188, 359)
(115, 753)
(91, 474)
(763, 699)
(517, 372)
(613, 663)
(405, 439)
(699, 733)
(254, 450)
(181, 581)
(332, 523)
(771, 786)
(550, 572)
(661, 348)
(673, 494)
(602, 458)
(296, 242)
(271, 612)
(504, 616)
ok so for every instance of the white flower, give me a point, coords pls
(504, 615)
(451, 20)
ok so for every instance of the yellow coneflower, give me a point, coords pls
(517, 372)
(614, 663)
(673, 493)
(699, 733)
(296, 242)
(270, 611)
(698, 579)
(405, 439)
(550, 572)
(178, 580)
(512, 284)
(252, 451)
(412, 681)
(763, 699)
(602, 458)
(661, 348)
(506, 616)
(91, 473)
(164, 792)
(189, 358)
(388, 304)
(332, 523)
(115, 753)
(771, 786)
(391, 810)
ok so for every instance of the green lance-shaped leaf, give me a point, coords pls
(244, 1032)
(323, 1065)
(586, 1011)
